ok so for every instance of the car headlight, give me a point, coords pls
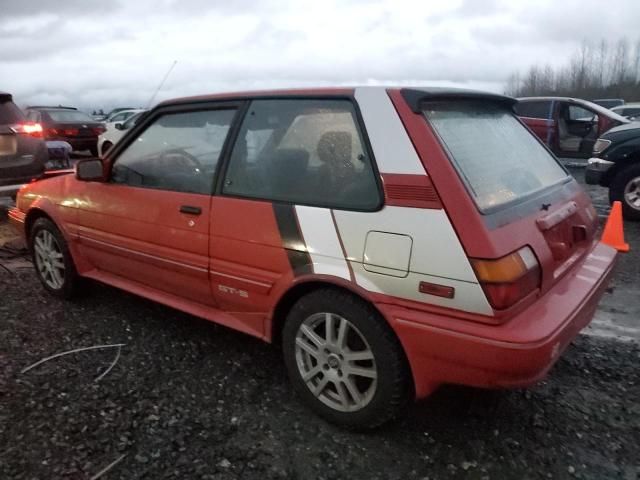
(600, 145)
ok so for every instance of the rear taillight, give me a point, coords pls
(29, 128)
(99, 130)
(509, 279)
(70, 132)
(51, 133)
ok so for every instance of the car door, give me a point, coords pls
(149, 223)
(293, 162)
(538, 116)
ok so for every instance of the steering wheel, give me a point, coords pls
(184, 159)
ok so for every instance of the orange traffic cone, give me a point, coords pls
(613, 234)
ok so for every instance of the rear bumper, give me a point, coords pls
(517, 353)
(78, 144)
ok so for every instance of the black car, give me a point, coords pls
(616, 165)
(23, 152)
(68, 124)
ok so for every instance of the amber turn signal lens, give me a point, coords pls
(509, 279)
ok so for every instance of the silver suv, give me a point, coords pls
(23, 152)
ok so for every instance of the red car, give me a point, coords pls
(569, 126)
(391, 240)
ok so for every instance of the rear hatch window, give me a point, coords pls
(499, 160)
(9, 112)
(69, 116)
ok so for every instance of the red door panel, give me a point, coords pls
(249, 266)
(140, 234)
(543, 128)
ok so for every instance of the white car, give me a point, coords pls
(116, 130)
(629, 110)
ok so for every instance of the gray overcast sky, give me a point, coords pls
(106, 53)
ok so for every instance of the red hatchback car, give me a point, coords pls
(391, 240)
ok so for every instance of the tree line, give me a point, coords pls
(595, 70)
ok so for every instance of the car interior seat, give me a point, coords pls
(568, 142)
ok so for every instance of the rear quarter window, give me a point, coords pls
(303, 151)
(499, 160)
(10, 113)
(69, 116)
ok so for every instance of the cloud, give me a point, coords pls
(99, 54)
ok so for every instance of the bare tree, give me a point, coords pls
(593, 71)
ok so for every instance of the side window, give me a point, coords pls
(33, 116)
(119, 117)
(308, 152)
(581, 114)
(179, 152)
(539, 109)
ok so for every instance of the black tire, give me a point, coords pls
(617, 190)
(69, 280)
(393, 385)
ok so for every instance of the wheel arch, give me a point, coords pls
(296, 291)
(30, 219)
(300, 288)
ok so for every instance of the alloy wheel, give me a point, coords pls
(49, 259)
(336, 362)
(632, 193)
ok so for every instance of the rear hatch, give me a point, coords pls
(522, 219)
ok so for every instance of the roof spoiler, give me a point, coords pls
(416, 97)
(5, 97)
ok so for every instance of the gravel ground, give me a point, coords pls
(191, 400)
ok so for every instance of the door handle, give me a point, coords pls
(190, 210)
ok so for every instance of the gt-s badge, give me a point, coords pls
(233, 291)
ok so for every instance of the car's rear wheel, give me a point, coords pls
(52, 259)
(344, 360)
(625, 187)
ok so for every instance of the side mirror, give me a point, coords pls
(90, 170)
(119, 126)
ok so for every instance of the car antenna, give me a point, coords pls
(161, 83)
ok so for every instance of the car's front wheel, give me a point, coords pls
(625, 187)
(344, 360)
(52, 259)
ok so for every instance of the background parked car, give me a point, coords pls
(68, 124)
(121, 117)
(115, 131)
(609, 102)
(630, 110)
(616, 165)
(569, 126)
(23, 153)
(104, 117)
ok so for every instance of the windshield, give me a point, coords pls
(499, 160)
(64, 116)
